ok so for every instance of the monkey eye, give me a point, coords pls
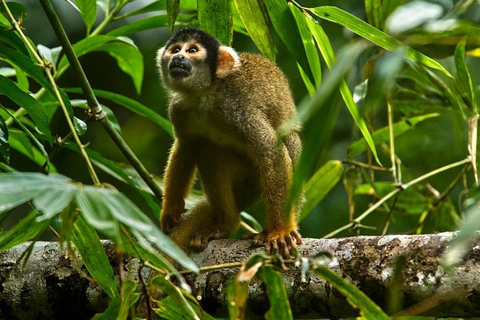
(192, 50)
(176, 50)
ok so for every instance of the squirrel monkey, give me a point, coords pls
(225, 109)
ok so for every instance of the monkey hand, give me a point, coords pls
(169, 218)
(276, 242)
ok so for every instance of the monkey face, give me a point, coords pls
(183, 65)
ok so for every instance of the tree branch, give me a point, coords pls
(54, 286)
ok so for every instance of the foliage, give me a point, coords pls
(409, 78)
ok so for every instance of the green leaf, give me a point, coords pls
(168, 309)
(104, 208)
(464, 74)
(29, 134)
(16, 8)
(329, 57)
(215, 16)
(17, 188)
(320, 185)
(4, 145)
(373, 9)
(382, 135)
(13, 39)
(93, 255)
(33, 107)
(389, 6)
(252, 222)
(134, 106)
(176, 295)
(368, 309)
(51, 54)
(88, 9)
(255, 19)
(371, 33)
(119, 306)
(26, 229)
(286, 28)
(19, 141)
(308, 43)
(154, 6)
(237, 297)
(148, 23)
(128, 57)
(277, 294)
(34, 71)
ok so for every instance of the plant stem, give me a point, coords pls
(93, 104)
(392, 142)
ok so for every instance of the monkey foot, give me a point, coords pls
(200, 240)
(276, 242)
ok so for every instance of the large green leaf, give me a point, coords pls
(371, 33)
(33, 107)
(255, 19)
(169, 309)
(277, 294)
(20, 142)
(88, 244)
(4, 145)
(329, 57)
(134, 106)
(368, 309)
(308, 43)
(215, 16)
(286, 28)
(88, 10)
(105, 208)
(128, 57)
(320, 185)
(26, 229)
(17, 188)
(382, 135)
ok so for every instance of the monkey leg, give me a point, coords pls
(198, 226)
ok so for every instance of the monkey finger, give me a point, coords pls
(275, 246)
(249, 235)
(290, 243)
(219, 234)
(296, 236)
(284, 247)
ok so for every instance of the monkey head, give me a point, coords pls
(192, 59)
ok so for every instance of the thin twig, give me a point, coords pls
(400, 188)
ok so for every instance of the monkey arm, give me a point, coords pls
(178, 180)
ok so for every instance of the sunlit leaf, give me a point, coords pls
(320, 185)
(308, 43)
(373, 9)
(371, 33)
(168, 309)
(88, 9)
(368, 309)
(51, 54)
(255, 18)
(285, 25)
(93, 255)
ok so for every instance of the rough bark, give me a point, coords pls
(52, 286)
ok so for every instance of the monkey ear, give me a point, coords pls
(228, 60)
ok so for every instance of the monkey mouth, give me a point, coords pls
(180, 69)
